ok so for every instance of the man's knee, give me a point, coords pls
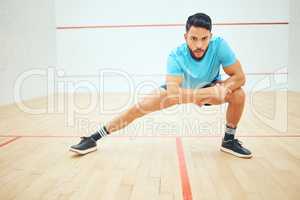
(135, 111)
(168, 100)
(237, 96)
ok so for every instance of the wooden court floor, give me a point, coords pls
(161, 156)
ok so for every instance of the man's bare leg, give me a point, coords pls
(236, 103)
(156, 101)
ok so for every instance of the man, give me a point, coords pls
(192, 77)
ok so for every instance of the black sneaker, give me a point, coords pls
(86, 145)
(235, 147)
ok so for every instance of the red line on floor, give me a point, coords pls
(9, 141)
(156, 136)
(185, 182)
(170, 25)
(43, 136)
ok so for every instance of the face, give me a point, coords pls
(197, 39)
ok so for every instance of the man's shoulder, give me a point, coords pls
(217, 44)
(216, 40)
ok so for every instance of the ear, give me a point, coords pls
(185, 36)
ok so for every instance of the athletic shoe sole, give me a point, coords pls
(82, 152)
(234, 153)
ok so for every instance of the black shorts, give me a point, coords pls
(164, 86)
(208, 85)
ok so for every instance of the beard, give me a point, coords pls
(195, 57)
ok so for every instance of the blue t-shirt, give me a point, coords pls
(200, 73)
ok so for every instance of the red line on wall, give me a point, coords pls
(170, 25)
(266, 73)
(251, 23)
(185, 182)
(119, 26)
(9, 141)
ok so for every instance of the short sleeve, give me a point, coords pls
(226, 54)
(173, 68)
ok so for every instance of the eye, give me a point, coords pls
(204, 38)
(194, 38)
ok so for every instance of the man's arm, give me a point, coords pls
(236, 75)
(177, 94)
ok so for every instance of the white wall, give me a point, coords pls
(27, 40)
(294, 46)
(142, 52)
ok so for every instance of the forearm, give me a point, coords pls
(191, 95)
(234, 82)
(184, 95)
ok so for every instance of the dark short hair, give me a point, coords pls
(198, 20)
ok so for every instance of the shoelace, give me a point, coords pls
(82, 139)
(236, 141)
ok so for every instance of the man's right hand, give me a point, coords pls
(220, 91)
